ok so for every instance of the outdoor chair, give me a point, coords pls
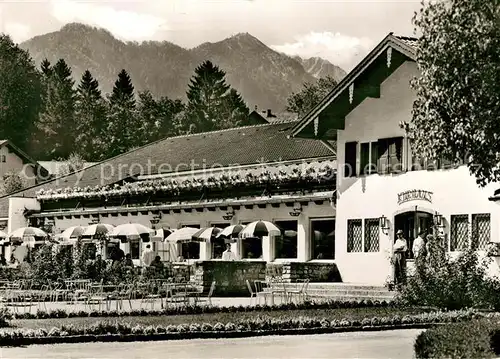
(125, 292)
(278, 288)
(96, 296)
(208, 298)
(300, 294)
(253, 294)
(150, 296)
(260, 291)
(177, 294)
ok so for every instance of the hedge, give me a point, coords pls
(475, 339)
(103, 331)
(197, 309)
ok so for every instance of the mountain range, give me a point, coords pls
(264, 77)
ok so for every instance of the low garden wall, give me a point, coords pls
(292, 272)
(230, 276)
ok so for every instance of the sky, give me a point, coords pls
(342, 32)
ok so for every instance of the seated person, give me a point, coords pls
(157, 263)
(128, 260)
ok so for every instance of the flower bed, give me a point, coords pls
(102, 331)
(474, 339)
(187, 310)
(296, 178)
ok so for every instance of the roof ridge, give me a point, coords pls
(278, 122)
(402, 37)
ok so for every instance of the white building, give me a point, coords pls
(276, 182)
(380, 188)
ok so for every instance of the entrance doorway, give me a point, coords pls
(411, 223)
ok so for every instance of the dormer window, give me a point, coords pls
(3, 158)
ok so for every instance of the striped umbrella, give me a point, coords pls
(182, 235)
(161, 234)
(231, 231)
(260, 229)
(130, 231)
(27, 235)
(97, 231)
(70, 235)
(206, 234)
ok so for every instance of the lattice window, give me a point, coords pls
(481, 231)
(372, 235)
(354, 235)
(459, 232)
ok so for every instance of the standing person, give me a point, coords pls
(148, 256)
(419, 246)
(399, 250)
(227, 255)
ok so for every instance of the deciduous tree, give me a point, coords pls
(310, 95)
(457, 109)
(20, 93)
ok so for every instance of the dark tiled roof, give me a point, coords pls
(410, 41)
(237, 146)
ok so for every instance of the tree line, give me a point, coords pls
(44, 112)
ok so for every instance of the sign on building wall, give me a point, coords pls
(414, 195)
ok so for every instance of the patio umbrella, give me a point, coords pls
(97, 231)
(182, 235)
(259, 229)
(27, 235)
(70, 235)
(231, 231)
(130, 231)
(161, 234)
(206, 234)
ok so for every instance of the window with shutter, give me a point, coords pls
(395, 154)
(383, 156)
(374, 157)
(365, 158)
(350, 159)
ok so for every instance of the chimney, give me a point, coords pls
(270, 114)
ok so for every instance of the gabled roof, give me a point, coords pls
(55, 167)
(406, 46)
(237, 146)
(25, 157)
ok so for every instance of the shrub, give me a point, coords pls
(219, 327)
(443, 282)
(457, 340)
(205, 327)
(5, 316)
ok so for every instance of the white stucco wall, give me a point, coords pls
(14, 163)
(373, 196)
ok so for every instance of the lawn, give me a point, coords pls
(212, 318)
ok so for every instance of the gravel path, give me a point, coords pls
(385, 344)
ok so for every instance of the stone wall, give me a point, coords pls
(315, 272)
(230, 276)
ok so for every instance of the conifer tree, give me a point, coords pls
(123, 131)
(57, 127)
(211, 102)
(90, 110)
